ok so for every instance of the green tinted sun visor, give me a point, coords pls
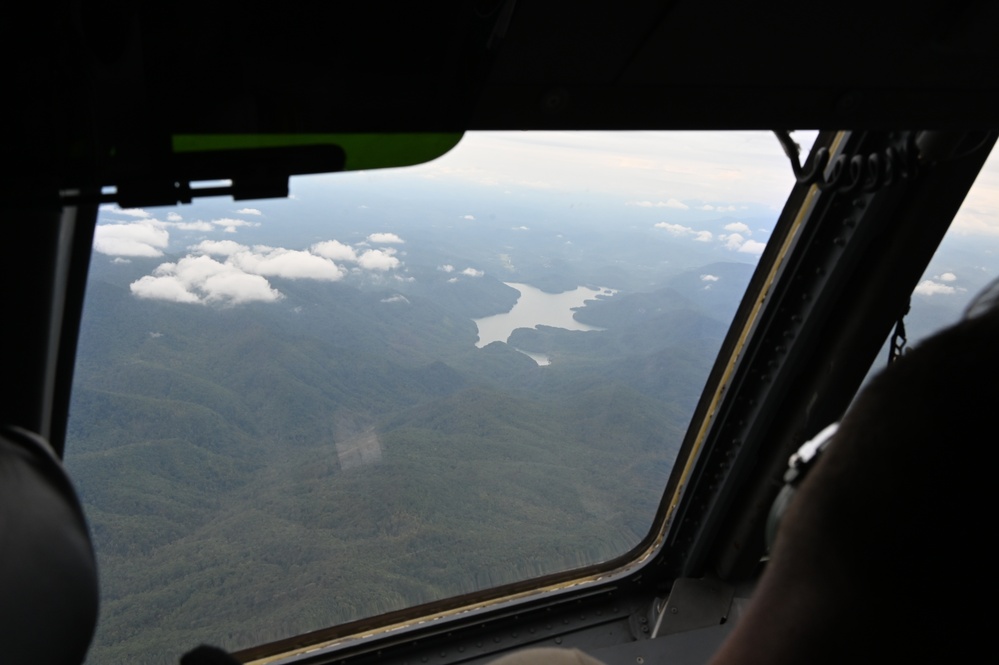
(254, 166)
(362, 151)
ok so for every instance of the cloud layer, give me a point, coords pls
(226, 271)
(143, 238)
(736, 241)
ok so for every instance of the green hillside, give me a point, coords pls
(251, 472)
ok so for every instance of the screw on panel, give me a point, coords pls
(639, 660)
(558, 640)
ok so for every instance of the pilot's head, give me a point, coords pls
(884, 553)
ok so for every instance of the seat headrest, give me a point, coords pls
(48, 573)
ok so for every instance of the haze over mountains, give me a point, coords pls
(281, 420)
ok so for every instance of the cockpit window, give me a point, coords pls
(399, 386)
(964, 263)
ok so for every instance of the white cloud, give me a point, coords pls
(675, 229)
(681, 231)
(752, 247)
(194, 226)
(335, 250)
(521, 228)
(385, 238)
(128, 212)
(118, 259)
(447, 267)
(733, 241)
(202, 279)
(143, 238)
(727, 208)
(155, 335)
(400, 278)
(471, 218)
(707, 206)
(669, 203)
(218, 247)
(248, 211)
(738, 227)
(238, 287)
(242, 275)
(452, 280)
(709, 278)
(230, 225)
(164, 287)
(472, 272)
(947, 277)
(378, 259)
(930, 288)
(396, 298)
(287, 263)
(174, 217)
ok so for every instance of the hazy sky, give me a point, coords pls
(683, 178)
(719, 168)
(707, 167)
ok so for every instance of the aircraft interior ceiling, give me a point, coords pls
(99, 92)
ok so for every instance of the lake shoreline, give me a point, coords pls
(534, 308)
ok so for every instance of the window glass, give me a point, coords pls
(398, 386)
(964, 263)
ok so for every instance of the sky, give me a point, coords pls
(682, 179)
(688, 168)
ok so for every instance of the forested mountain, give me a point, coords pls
(337, 446)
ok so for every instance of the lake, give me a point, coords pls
(536, 308)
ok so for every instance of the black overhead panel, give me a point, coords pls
(104, 86)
